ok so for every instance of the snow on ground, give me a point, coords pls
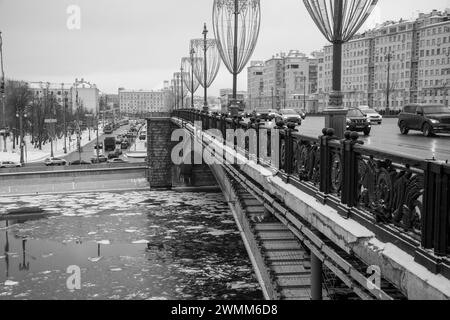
(36, 155)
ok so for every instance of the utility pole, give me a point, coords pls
(2, 92)
(20, 115)
(64, 94)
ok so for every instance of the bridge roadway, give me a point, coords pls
(344, 247)
(387, 137)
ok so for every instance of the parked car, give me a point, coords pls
(428, 118)
(143, 135)
(9, 164)
(116, 160)
(357, 121)
(289, 115)
(372, 115)
(55, 162)
(80, 163)
(125, 145)
(101, 159)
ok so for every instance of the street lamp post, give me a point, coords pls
(2, 92)
(338, 21)
(205, 67)
(20, 115)
(182, 89)
(388, 84)
(64, 116)
(236, 27)
(192, 52)
(189, 79)
(207, 62)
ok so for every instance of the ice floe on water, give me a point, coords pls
(95, 259)
(130, 245)
(10, 283)
(141, 242)
(104, 242)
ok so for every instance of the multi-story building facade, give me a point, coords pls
(284, 81)
(60, 91)
(226, 96)
(143, 102)
(77, 94)
(433, 32)
(255, 84)
(394, 64)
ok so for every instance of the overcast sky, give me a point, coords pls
(138, 44)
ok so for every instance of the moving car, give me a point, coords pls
(117, 161)
(9, 164)
(110, 144)
(143, 135)
(98, 146)
(357, 121)
(302, 114)
(116, 154)
(119, 139)
(125, 145)
(55, 162)
(372, 115)
(264, 115)
(289, 115)
(101, 159)
(428, 118)
(108, 129)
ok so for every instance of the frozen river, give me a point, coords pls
(135, 245)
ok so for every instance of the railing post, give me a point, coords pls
(289, 149)
(325, 164)
(436, 222)
(257, 124)
(349, 195)
(280, 127)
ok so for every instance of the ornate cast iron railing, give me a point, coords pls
(402, 199)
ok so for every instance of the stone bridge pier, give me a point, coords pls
(163, 172)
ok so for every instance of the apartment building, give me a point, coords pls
(407, 61)
(284, 81)
(78, 94)
(255, 84)
(142, 102)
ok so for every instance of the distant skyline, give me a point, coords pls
(138, 44)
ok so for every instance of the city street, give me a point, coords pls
(387, 137)
(88, 151)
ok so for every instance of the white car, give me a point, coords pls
(372, 116)
(9, 164)
(55, 162)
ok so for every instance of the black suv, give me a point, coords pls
(428, 118)
(357, 121)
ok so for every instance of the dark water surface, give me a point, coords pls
(134, 245)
